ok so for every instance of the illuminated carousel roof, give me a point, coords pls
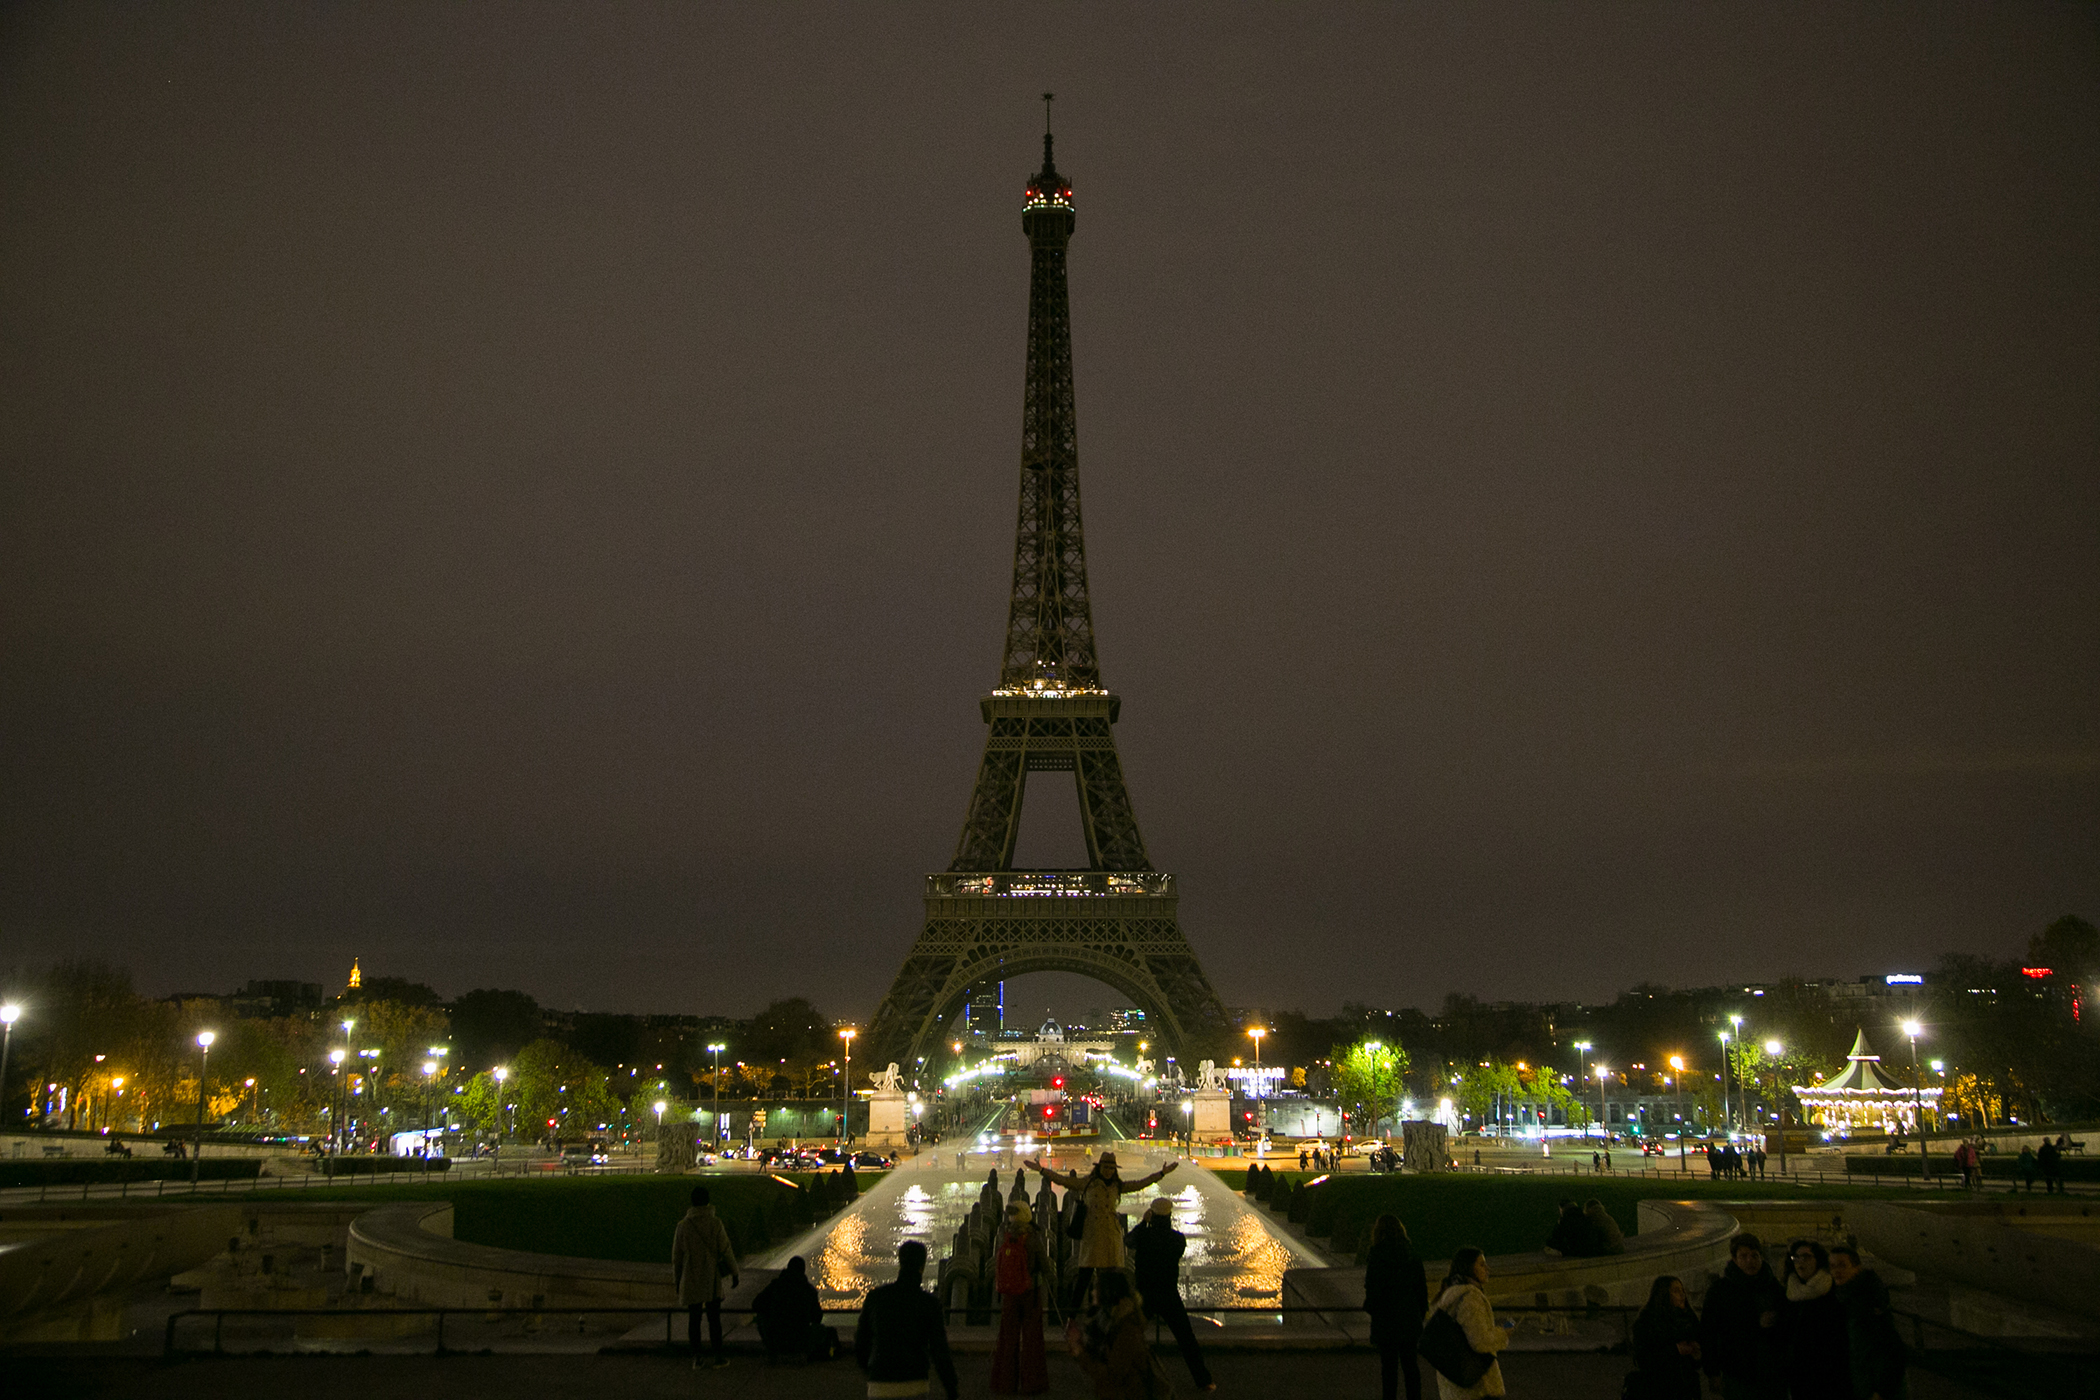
(1862, 1077)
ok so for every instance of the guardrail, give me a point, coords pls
(670, 1313)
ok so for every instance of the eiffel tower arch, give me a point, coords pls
(1116, 920)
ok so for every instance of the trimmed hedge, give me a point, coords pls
(354, 1164)
(77, 1171)
(1509, 1214)
(1997, 1166)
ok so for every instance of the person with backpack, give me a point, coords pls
(1460, 1339)
(1112, 1348)
(1020, 1276)
(1396, 1295)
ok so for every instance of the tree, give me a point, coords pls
(2070, 947)
(490, 1026)
(1368, 1077)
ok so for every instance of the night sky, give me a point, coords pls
(524, 495)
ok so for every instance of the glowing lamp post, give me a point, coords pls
(204, 1040)
(1912, 1030)
(1261, 1101)
(846, 1089)
(1582, 1050)
(1677, 1068)
(9, 1014)
(715, 1049)
(659, 1106)
(1727, 1114)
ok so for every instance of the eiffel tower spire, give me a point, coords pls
(1049, 623)
(1116, 919)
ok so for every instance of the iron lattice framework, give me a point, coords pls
(985, 921)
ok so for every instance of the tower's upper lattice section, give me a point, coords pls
(1049, 624)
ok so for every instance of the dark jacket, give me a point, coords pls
(1575, 1236)
(1669, 1373)
(902, 1335)
(1733, 1338)
(1874, 1349)
(785, 1310)
(1155, 1257)
(1396, 1292)
(1814, 1337)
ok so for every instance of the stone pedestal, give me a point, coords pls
(1425, 1147)
(1213, 1114)
(889, 1116)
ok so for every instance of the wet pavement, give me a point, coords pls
(1236, 1256)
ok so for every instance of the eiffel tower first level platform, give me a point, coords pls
(986, 922)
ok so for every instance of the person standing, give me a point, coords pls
(2027, 1166)
(1464, 1296)
(1813, 1326)
(1874, 1352)
(1666, 1343)
(1396, 1295)
(701, 1255)
(1100, 1244)
(2051, 1160)
(1020, 1274)
(1739, 1333)
(902, 1336)
(1156, 1248)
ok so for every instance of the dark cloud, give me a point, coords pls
(524, 497)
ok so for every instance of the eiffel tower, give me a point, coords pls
(1114, 921)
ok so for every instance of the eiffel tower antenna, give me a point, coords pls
(1115, 920)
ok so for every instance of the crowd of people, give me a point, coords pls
(1819, 1328)
(1728, 1162)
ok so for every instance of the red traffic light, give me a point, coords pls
(1057, 1082)
(1049, 1112)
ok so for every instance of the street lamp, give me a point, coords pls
(659, 1106)
(1913, 1030)
(1582, 1050)
(430, 1074)
(204, 1040)
(1775, 1050)
(846, 1089)
(9, 1014)
(1736, 1024)
(500, 1073)
(1604, 1109)
(1727, 1113)
(1677, 1065)
(1261, 1101)
(715, 1049)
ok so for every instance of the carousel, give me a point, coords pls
(1864, 1098)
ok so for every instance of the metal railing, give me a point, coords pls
(670, 1313)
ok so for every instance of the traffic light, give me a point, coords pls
(1057, 1082)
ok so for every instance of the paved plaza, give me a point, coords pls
(1333, 1375)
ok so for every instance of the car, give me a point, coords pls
(584, 1154)
(872, 1161)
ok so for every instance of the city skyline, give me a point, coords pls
(1575, 499)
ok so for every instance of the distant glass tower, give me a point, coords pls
(1115, 920)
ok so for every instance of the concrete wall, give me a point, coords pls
(64, 1274)
(1980, 1248)
(1676, 1237)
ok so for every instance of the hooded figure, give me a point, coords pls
(790, 1315)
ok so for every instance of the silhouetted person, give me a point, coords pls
(1155, 1249)
(1739, 1339)
(1666, 1342)
(1874, 1353)
(1813, 1326)
(1396, 1295)
(790, 1315)
(701, 1256)
(902, 1337)
(1021, 1278)
(1610, 1239)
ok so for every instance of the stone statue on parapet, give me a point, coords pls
(1212, 1079)
(885, 1081)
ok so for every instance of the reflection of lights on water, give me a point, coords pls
(841, 1263)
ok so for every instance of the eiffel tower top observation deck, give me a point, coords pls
(1115, 920)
